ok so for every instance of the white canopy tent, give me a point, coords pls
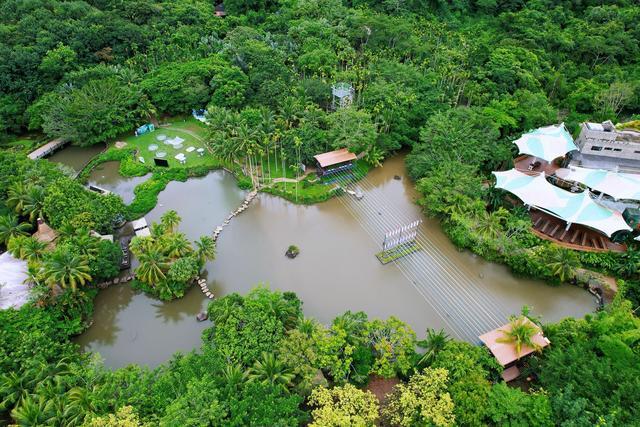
(546, 143)
(574, 208)
(616, 184)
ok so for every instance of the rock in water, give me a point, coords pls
(202, 316)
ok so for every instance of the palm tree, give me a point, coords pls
(564, 264)
(34, 411)
(234, 375)
(12, 388)
(27, 248)
(17, 196)
(270, 371)
(10, 227)
(66, 269)
(205, 249)
(176, 245)
(139, 245)
(520, 333)
(85, 244)
(152, 266)
(34, 204)
(433, 344)
(488, 225)
(170, 220)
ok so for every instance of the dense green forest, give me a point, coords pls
(450, 81)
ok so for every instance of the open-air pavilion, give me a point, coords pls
(505, 352)
(334, 161)
(546, 143)
(573, 208)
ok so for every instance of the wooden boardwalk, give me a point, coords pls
(47, 148)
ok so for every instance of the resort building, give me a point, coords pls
(334, 162)
(602, 146)
(505, 351)
(575, 206)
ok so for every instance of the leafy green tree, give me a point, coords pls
(245, 327)
(98, 111)
(470, 369)
(393, 343)
(509, 406)
(345, 405)
(423, 401)
(124, 417)
(351, 128)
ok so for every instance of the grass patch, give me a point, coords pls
(385, 257)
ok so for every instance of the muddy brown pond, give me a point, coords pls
(335, 271)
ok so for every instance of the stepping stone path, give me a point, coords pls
(216, 233)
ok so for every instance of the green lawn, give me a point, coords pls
(188, 130)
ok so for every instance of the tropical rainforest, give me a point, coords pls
(452, 82)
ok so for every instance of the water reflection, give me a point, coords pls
(75, 157)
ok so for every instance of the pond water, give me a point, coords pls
(106, 176)
(75, 157)
(336, 270)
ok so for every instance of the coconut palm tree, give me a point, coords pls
(489, 225)
(176, 245)
(520, 333)
(34, 411)
(170, 220)
(270, 371)
(66, 269)
(433, 344)
(153, 265)
(85, 244)
(564, 264)
(234, 375)
(33, 206)
(205, 249)
(10, 227)
(17, 196)
(139, 245)
(27, 248)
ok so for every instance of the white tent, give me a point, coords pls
(13, 290)
(576, 208)
(546, 143)
(616, 184)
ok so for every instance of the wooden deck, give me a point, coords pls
(578, 237)
(522, 164)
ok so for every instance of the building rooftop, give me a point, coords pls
(335, 157)
(505, 353)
